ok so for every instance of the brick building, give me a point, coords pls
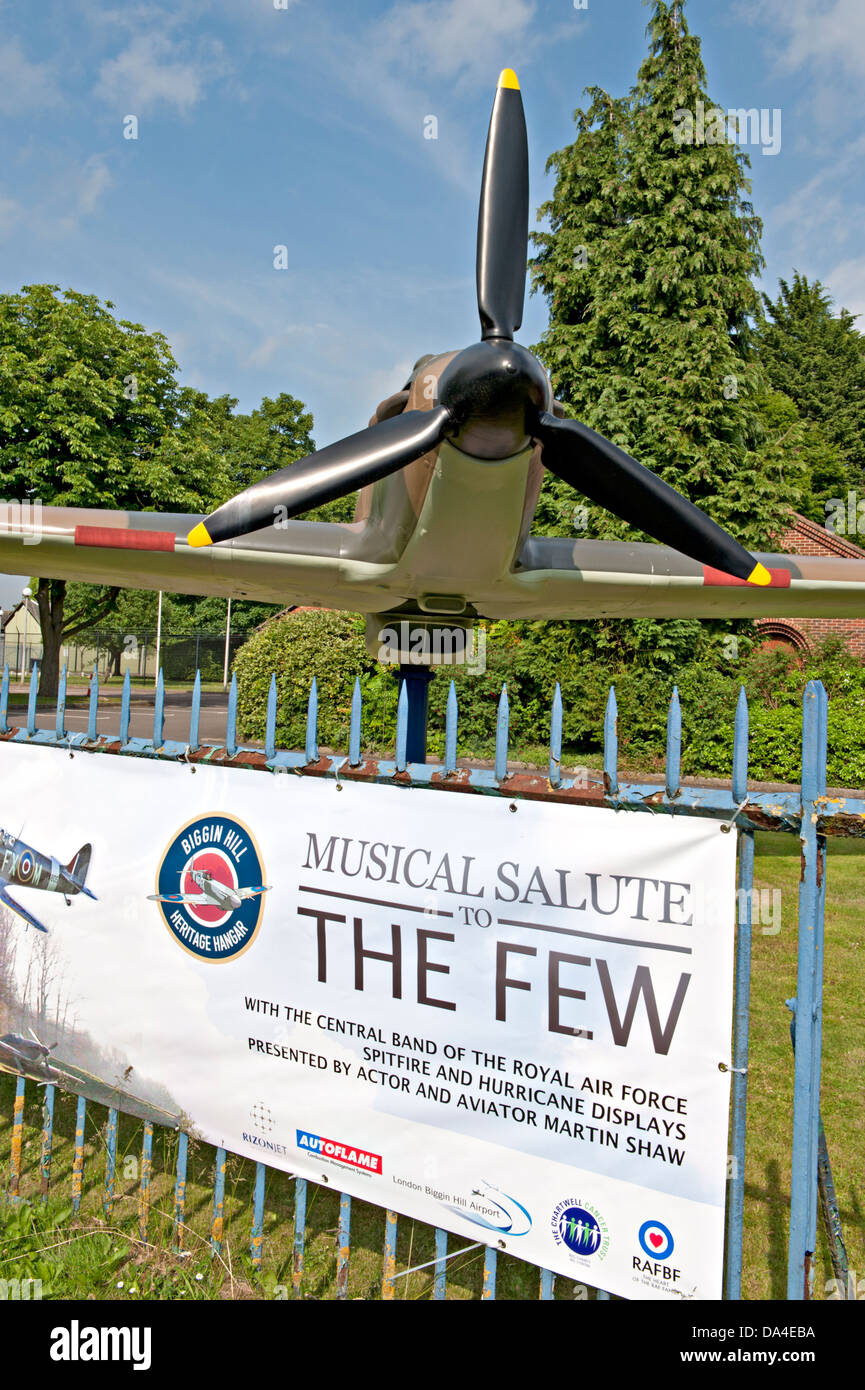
(804, 537)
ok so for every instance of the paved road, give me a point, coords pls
(178, 703)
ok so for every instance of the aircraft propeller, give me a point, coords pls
(494, 399)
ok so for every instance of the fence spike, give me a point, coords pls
(144, 1184)
(611, 745)
(4, 702)
(159, 711)
(195, 714)
(740, 749)
(299, 1236)
(401, 727)
(548, 1284)
(258, 1215)
(47, 1139)
(270, 723)
(556, 738)
(741, 1025)
(343, 1241)
(78, 1158)
(231, 719)
(31, 699)
(125, 705)
(110, 1163)
(60, 721)
(441, 1264)
(217, 1223)
(451, 731)
(180, 1189)
(389, 1269)
(311, 750)
(354, 731)
(94, 706)
(17, 1148)
(502, 720)
(809, 993)
(491, 1259)
(673, 771)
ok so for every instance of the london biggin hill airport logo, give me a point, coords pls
(581, 1228)
(210, 887)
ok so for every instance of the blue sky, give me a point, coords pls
(304, 126)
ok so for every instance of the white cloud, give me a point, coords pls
(846, 283)
(93, 179)
(10, 215)
(24, 86)
(808, 32)
(154, 70)
(453, 37)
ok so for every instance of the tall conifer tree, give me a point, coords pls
(648, 270)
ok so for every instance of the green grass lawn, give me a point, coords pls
(84, 1255)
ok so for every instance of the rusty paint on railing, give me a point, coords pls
(389, 1270)
(17, 1141)
(343, 1245)
(217, 1224)
(144, 1183)
(78, 1159)
(47, 1140)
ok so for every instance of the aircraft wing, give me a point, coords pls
(300, 562)
(180, 898)
(16, 907)
(338, 565)
(561, 578)
(252, 892)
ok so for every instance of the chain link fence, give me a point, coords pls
(114, 652)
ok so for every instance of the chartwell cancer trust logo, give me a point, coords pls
(210, 887)
(657, 1240)
(579, 1227)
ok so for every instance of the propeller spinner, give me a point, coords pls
(494, 399)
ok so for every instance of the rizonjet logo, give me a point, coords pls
(77, 1343)
(342, 1153)
(210, 887)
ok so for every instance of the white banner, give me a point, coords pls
(508, 1019)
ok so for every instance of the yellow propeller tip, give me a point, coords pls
(759, 575)
(199, 535)
(508, 78)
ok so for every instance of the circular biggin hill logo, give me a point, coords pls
(581, 1228)
(210, 887)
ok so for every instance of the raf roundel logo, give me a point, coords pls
(210, 887)
(656, 1239)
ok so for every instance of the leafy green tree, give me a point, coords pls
(816, 358)
(92, 415)
(252, 447)
(648, 270)
(786, 432)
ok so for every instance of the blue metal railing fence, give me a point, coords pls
(806, 812)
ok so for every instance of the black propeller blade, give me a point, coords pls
(503, 217)
(492, 397)
(339, 469)
(610, 477)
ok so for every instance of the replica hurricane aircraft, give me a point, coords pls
(212, 893)
(449, 472)
(24, 867)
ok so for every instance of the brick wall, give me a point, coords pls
(805, 537)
